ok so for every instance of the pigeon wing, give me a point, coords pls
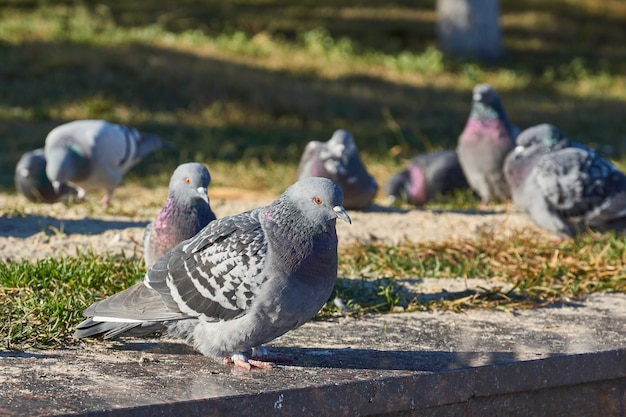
(574, 181)
(137, 303)
(216, 274)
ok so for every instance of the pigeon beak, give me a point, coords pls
(341, 214)
(56, 185)
(204, 193)
(477, 97)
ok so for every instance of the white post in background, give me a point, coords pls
(469, 28)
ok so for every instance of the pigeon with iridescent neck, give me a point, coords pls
(241, 282)
(486, 140)
(565, 187)
(426, 176)
(185, 213)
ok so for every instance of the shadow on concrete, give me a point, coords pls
(334, 358)
(397, 360)
(27, 355)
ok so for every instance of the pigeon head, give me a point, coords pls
(396, 187)
(538, 140)
(190, 180)
(32, 165)
(66, 164)
(486, 103)
(531, 144)
(545, 136)
(319, 199)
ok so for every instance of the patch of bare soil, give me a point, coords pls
(35, 231)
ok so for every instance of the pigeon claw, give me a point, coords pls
(261, 364)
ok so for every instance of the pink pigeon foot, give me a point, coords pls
(106, 199)
(260, 358)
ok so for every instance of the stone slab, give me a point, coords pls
(569, 358)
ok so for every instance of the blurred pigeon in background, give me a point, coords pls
(241, 282)
(31, 180)
(185, 213)
(93, 154)
(338, 159)
(564, 186)
(426, 176)
(487, 138)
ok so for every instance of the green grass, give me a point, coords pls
(529, 270)
(254, 81)
(243, 85)
(41, 302)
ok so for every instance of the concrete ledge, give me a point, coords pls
(569, 360)
(578, 385)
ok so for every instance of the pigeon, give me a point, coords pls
(565, 186)
(31, 180)
(427, 176)
(93, 154)
(240, 282)
(487, 138)
(338, 159)
(185, 213)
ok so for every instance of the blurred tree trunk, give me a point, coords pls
(469, 28)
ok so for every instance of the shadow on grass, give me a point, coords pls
(26, 226)
(186, 96)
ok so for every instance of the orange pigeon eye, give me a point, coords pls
(317, 200)
(187, 180)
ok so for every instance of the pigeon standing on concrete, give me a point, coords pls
(241, 282)
(93, 154)
(338, 159)
(31, 180)
(185, 213)
(565, 187)
(427, 176)
(487, 138)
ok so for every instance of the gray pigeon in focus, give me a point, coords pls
(31, 180)
(427, 176)
(185, 213)
(487, 138)
(94, 154)
(338, 159)
(564, 186)
(241, 282)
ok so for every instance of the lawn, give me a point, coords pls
(242, 86)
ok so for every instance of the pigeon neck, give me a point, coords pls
(484, 112)
(417, 185)
(299, 243)
(516, 169)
